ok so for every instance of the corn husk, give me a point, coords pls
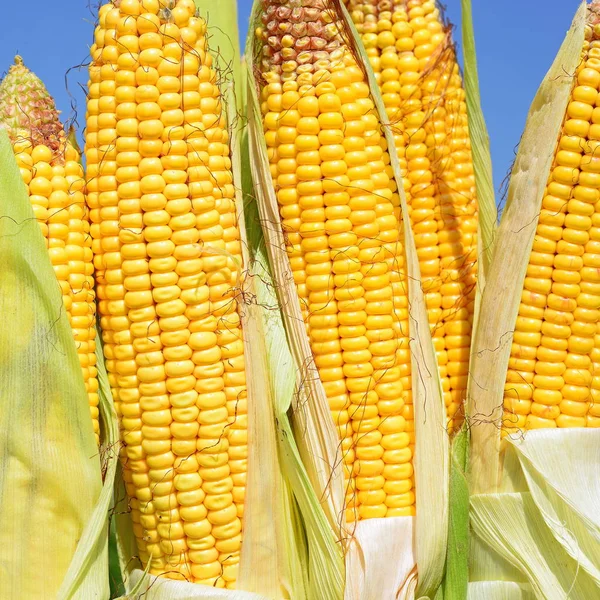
(480, 149)
(53, 501)
(534, 512)
(545, 521)
(493, 336)
(432, 452)
(318, 434)
(266, 572)
(381, 554)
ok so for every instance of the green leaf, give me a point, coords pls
(456, 577)
(480, 147)
(223, 37)
(53, 512)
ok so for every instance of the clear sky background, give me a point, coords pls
(517, 41)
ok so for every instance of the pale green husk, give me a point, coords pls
(316, 520)
(535, 512)
(543, 526)
(323, 573)
(480, 148)
(432, 446)
(270, 562)
(53, 503)
(493, 337)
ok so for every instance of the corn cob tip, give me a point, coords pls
(27, 108)
(299, 38)
(594, 18)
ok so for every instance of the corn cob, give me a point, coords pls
(415, 64)
(53, 174)
(553, 377)
(340, 214)
(168, 259)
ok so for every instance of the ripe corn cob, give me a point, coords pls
(340, 215)
(415, 64)
(53, 174)
(553, 377)
(168, 257)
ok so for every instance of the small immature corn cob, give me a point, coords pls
(53, 174)
(553, 377)
(168, 259)
(415, 64)
(340, 214)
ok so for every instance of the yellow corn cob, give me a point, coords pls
(416, 68)
(54, 177)
(341, 220)
(168, 258)
(553, 377)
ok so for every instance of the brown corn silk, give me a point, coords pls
(340, 214)
(411, 51)
(51, 170)
(553, 377)
(168, 258)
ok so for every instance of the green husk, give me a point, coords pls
(324, 577)
(456, 577)
(53, 503)
(316, 521)
(480, 148)
(223, 37)
(263, 566)
(318, 443)
(432, 453)
(493, 335)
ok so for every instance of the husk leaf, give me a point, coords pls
(53, 536)
(263, 569)
(480, 148)
(456, 577)
(263, 572)
(499, 590)
(223, 36)
(560, 467)
(92, 550)
(316, 566)
(317, 441)
(542, 527)
(493, 336)
(432, 453)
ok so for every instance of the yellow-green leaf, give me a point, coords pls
(500, 303)
(53, 537)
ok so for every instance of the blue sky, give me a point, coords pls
(516, 42)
